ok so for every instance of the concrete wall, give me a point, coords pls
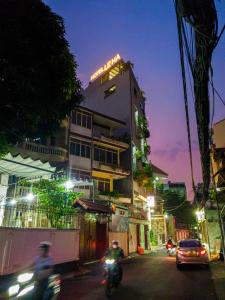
(18, 247)
(219, 134)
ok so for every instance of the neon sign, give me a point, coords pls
(107, 66)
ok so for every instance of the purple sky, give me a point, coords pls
(144, 32)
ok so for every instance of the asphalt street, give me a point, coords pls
(148, 277)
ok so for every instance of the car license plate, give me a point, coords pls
(192, 253)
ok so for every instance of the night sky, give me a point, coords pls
(143, 32)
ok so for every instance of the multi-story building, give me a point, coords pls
(96, 162)
(114, 91)
(218, 154)
(177, 187)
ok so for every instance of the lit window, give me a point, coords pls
(110, 91)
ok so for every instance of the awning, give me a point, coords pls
(24, 167)
(91, 206)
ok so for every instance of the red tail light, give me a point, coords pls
(202, 251)
(169, 246)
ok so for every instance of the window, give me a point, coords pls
(136, 116)
(81, 119)
(110, 91)
(135, 92)
(80, 148)
(80, 175)
(190, 243)
(103, 185)
(105, 155)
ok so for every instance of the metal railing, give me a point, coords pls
(52, 150)
(23, 216)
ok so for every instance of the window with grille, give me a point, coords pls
(105, 155)
(81, 119)
(80, 148)
(103, 185)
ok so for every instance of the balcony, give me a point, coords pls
(38, 151)
(103, 137)
(116, 171)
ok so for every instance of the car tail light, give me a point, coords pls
(202, 252)
(169, 246)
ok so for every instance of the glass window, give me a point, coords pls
(110, 91)
(107, 186)
(89, 122)
(81, 119)
(88, 152)
(190, 243)
(101, 186)
(105, 155)
(77, 152)
(109, 157)
(80, 148)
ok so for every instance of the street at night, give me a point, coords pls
(149, 277)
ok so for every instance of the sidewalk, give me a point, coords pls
(218, 276)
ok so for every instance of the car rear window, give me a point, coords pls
(188, 244)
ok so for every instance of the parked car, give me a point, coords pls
(191, 251)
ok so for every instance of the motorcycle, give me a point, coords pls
(112, 273)
(23, 287)
(171, 249)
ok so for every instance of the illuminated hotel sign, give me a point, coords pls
(107, 66)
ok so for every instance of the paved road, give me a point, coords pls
(150, 277)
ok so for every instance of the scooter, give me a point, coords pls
(112, 276)
(171, 249)
(23, 287)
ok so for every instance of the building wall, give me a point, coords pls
(219, 134)
(15, 254)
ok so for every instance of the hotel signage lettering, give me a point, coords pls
(107, 66)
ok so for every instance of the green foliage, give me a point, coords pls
(185, 212)
(153, 239)
(144, 175)
(54, 198)
(113, 194)
(4, 149)
(38, 83)
(139, 154)
(143, 127)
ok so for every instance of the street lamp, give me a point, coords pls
(30, 197)
(68, 184)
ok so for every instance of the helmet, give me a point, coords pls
(45, 245)
(115, 242)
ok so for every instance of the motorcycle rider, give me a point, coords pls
(116, 253)
(43, 266)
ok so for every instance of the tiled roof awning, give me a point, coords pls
(24, 167)
(90, 206)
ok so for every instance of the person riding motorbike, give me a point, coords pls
(115, 252)
(43, 266)
(169, 244)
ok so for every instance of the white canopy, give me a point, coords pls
(24, 166)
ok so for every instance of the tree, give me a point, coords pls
(54, 199)
(176, 204)
(38, 83)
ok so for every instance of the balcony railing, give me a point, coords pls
(23, 216)
(51, 150)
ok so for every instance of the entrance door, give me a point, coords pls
(101, 239)
(138, 235)
(87, 240)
